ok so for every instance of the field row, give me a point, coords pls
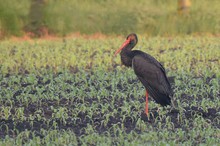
(109, 105)
(190, 55)
(74, 91)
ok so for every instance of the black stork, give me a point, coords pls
(148, 70)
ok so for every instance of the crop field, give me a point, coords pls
(74, 91)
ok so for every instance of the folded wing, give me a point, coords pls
(152, 75)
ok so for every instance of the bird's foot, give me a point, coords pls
(145, 116)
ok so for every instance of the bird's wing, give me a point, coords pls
(151, 73)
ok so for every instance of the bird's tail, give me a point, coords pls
(160, 98)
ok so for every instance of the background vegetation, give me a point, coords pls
(152, 17)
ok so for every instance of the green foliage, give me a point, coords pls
(197, 55)
(96, 108)
(115, 17)
(75, 92)
(13, 15)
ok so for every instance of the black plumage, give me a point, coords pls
(148, 70)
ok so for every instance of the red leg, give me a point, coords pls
(146, 106)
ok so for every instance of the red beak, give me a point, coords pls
(124, 44)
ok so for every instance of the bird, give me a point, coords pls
(149, 71)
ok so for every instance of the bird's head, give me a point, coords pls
(130, 42)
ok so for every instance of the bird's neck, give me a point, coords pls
(127, 56)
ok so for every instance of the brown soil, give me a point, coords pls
(78, 126)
